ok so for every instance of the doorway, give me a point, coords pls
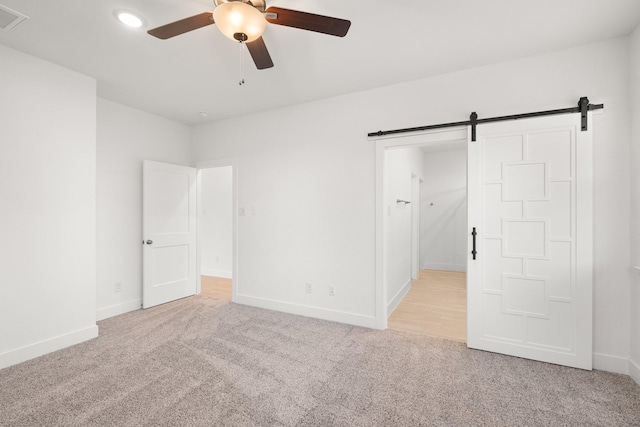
(216, 230)
(429, 299)
(394, 271)
(436, 303)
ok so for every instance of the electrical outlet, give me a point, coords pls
(332, 290)
(117, 287)
(309, 288)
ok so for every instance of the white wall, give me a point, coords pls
(215, 222)
(309, 171)
(47, 214)
(634, 51)
(126, 137)
(401, 164)
(443, 232)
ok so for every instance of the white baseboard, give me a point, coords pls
(610, 363)
(634, 371)
(308, 311)
(31, 351)
(446, 267)
(117, 309)
(225, 274)
(391, 305)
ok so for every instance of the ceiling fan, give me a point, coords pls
(245, 20)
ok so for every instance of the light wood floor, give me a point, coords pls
(216, 287)
(436, 305)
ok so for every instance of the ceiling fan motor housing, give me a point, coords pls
(261, 5)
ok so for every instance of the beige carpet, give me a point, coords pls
(206, 362)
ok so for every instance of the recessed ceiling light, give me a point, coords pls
(203, 114)
(130, 19)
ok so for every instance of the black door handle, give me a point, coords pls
(473, 251)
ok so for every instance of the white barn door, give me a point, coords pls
(169, 232)
(530, 201)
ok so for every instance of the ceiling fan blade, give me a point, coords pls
(182, 26)
(260, 54)
(309, 21)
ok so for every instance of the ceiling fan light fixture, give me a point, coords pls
(239, 18)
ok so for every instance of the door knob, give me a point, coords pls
(149, 242)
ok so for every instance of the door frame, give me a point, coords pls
(427, 138)
(416, 212)
(211, 164)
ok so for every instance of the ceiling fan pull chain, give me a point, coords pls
(241, 43)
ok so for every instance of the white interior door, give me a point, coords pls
(169, 232)
(530, 201)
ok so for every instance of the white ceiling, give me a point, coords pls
(389, 42)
